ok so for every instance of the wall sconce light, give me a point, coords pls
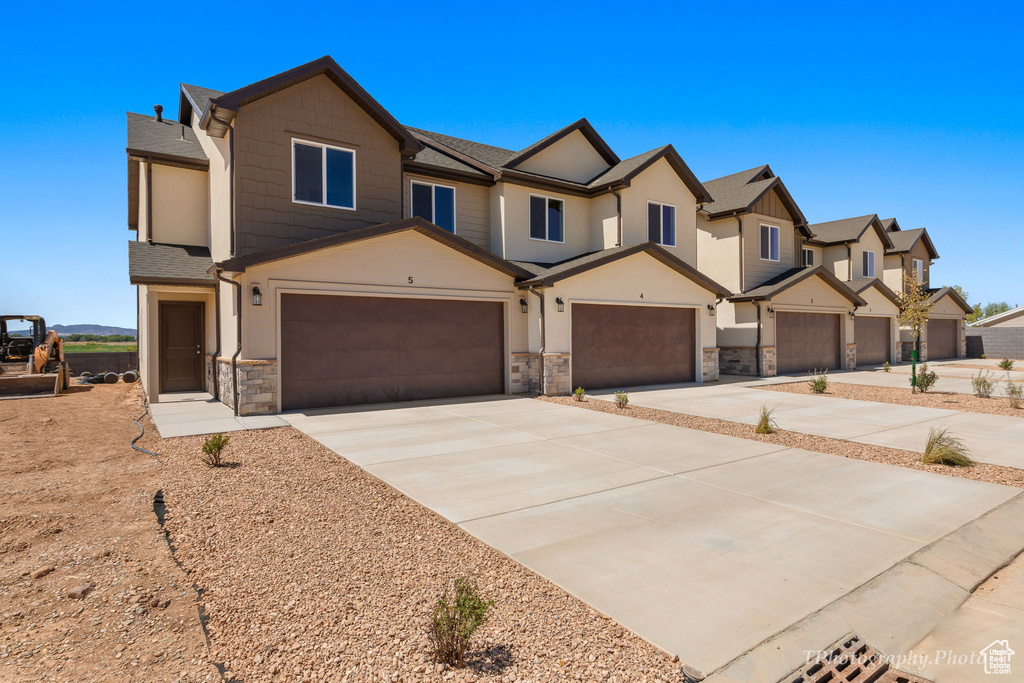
(561, 304)
(853, 314)
(522, 304)
(771, 312)
(711, 310)
(257, 296)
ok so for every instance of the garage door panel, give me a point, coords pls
(873, 336)
(942, 338)
(346, 350)
(806, 341)
(616, 346)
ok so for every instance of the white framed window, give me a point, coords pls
(918, 265)
(808, 258)
(547, 218)
(661, 223)
(868, 264)
(769, 242)
(436, 203)
(323, 175)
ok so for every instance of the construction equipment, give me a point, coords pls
(31, 366)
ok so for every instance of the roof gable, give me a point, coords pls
(579, 129)
(741, 192)
(795, 276)
(942, 292)
(848, 230)
(861, 286)
(890, 225)
(904, 241)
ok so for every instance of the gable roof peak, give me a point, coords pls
(584, 127)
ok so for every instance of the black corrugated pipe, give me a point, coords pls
(540, 364)
(238, 348)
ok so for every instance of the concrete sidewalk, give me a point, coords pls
(706, 545)
(196, 412)
(993, 439)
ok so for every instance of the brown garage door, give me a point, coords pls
(942, 338)
(620, 346)
(345, 350)
(806, 341)
(872, 335)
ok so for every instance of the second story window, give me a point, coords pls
(868, 266)
(769, 243)
(436, 203)
(323, 175)
(661, 223)
(547, 218)
(808, 258)
(919, 269)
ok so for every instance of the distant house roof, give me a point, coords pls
(795, 276)
(739, 192)
(545, 275)
(849, 230)
(168, 264)
(904, 241)
(995, 320)
(863, 284)
(165, 139)
(938, 293)
(416, 224)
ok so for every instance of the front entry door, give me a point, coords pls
(181, 346)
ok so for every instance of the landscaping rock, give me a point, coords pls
(79, 592)
(41, 572)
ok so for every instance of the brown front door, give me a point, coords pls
(181, 346)
(806, 341)
(942, 338)
(622, 346)
(345, 350)
(872, 335)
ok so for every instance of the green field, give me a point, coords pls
(98, 348)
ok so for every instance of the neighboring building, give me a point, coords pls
(1012, 318)
(299, 247)
(786, 312)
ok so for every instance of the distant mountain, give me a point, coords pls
(83, 329)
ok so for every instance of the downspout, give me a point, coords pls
(238, 348)
(739, 224)
(618, 219)
(231, 204)
(149, 200)
(849, 263)
(540, 365)
(216, 353)
(757, 344)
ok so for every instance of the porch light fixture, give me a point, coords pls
(522, 304)
(853, 315)
(561, 304)
(711, 310)
(257, 296)
(771, 312)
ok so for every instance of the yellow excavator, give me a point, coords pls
(31, 366)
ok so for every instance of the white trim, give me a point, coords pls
(433, 202)
(918, 269)
(867, 255)
(323, 171)
(804, 251)
(661, 237)
(778, 242)
(547, 228)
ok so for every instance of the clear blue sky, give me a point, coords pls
(900, 109)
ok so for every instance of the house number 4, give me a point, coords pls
(641, 295)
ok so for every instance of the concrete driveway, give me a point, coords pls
(993, 439)
(706, 545)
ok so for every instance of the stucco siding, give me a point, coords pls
(472, 208)
(718, 251)
(659, 183)
(837, 259)
(218, 192)
(869, 241)
(180, 206)
(514, 206)
(315, 110)
(878, 304)
(571, 158)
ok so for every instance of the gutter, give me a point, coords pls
(540, 367)
(238, 349)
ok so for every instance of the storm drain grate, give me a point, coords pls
(850, 661)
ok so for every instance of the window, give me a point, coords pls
(919, 269)
(547, 218)
(436, 203)
(661, 223)
(323, 175)
(868, 266)
(808, 257)
(769, 243)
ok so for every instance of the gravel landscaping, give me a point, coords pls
(1018, 367)
(996, 405)
(312, 570)
(821, 444)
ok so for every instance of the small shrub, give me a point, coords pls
(982, 384)
(886, 367)
(925, 378)
(621, 399)
(765, 423)
(212, 448)
(818, 381)
(1006, 364)
(579, 394)
(944, 449)
(459, 612)
(1014, 392)
(983, 356)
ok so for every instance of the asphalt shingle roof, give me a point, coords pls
(149, 262)
(737, 191)
(904, 240)
(200, 96)
(492, 156)
(845, 230)
(167, 138)
(432, 157)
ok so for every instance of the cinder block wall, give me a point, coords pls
(995, 342)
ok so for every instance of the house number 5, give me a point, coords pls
(410, 279)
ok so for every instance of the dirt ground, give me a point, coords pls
(76, 498)
(994, 405)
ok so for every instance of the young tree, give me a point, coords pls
(915, 307)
